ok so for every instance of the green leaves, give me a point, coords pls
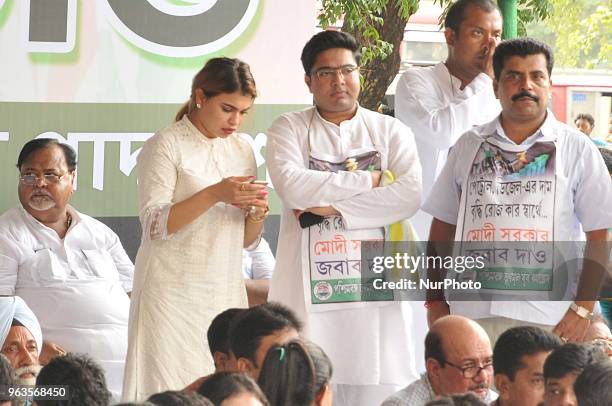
(579, 33)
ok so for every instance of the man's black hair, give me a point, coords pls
(593, 387)
(522, 47)
(571, 358)
(586, 116)
(179, 398)
(218, 332)
(83, 377)
(37, 144)
(248, 328)
(464, 399)
(456, 12)
(328, 40)
(517, 342)
(433, 347)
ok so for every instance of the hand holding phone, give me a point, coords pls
(259, 182)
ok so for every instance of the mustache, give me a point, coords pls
(40, 192)
(29, 369)
(525, 94)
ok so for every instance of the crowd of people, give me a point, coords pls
(474, 156)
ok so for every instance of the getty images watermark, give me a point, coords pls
(403, 262)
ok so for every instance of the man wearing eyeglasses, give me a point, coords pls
(69, 268)
(326, 163)
(458, 359)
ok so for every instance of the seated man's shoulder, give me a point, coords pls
(415, 394)
(12, 223)
(95, 224)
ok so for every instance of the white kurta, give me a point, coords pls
(429, 101)
(369, 344)
(76, 286)
(580, 175)
(182, 281)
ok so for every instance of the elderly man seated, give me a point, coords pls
(20, 338)
(69, 268)
(458, 359)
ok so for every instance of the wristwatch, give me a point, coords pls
(582, 311)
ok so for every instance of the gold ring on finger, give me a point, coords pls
(242, 187)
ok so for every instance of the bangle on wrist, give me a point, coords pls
(258, 219)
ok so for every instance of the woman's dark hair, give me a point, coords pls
(220, 75)
(224, 385)
(37, 144)
(295, 373)
(178, 398)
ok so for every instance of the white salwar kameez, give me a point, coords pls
(369, 344)
(182, 281)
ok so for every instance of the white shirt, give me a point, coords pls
(352, 337)
(429, 100)
(419, 392)
(258, 262)
(76, 286)
(580, 175)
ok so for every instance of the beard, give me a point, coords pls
(29, 379)
(41, 202)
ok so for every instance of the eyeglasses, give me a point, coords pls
(328, 73)
(473, 370)
(49, 178)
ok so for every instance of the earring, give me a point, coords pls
(198, 105)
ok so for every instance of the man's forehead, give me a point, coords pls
(532, 63)
(46, 158)
(334, 57)
(474, 15)
(18, 334)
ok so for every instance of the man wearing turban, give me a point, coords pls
(20, 338)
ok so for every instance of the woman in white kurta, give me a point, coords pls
(198, 210)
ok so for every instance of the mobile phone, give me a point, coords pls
(259, 182)
(309, 219)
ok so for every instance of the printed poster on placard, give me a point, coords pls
(507, 209)
(336, 263)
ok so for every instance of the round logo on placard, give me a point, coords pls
(323, 290)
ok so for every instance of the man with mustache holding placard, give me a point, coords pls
(524, 179)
